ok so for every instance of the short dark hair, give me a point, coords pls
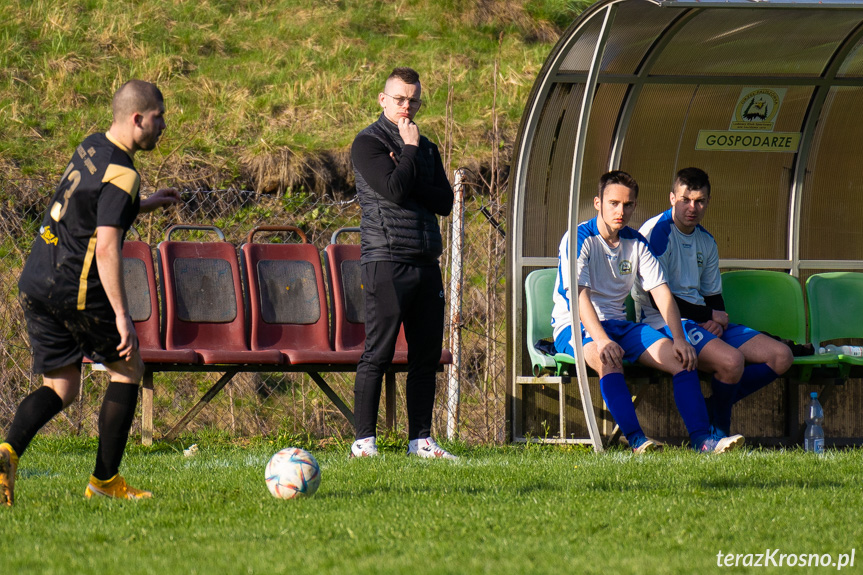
(695, 179)
(136, 96)
(405, 74)
(618, 177)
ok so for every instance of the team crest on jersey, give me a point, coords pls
(45, 234)
(625, 267)
(700, 257)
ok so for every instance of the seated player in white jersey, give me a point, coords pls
(610, 256)
(741, 359)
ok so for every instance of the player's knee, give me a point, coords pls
(137, 372)
(128, 371)
(68, 395)
(782, 360)
(593, 361)
(730, 367)
(65, 382)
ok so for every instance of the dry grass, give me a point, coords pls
(263, 94)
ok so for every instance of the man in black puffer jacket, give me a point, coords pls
(402, 188)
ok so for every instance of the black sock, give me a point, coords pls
(35, 411)
(115, 420)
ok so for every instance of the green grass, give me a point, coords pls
(251, 78)
(497, 510)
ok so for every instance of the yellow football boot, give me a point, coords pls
(8, 467)
(115, 487)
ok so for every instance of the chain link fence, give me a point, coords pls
(275, 403)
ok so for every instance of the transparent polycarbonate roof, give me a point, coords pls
(760, 94)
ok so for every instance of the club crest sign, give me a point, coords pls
(757, 109)
(752, 125)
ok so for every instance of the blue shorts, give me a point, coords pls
(735, 336)
(633, 337)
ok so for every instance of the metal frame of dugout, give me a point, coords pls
(763, 95)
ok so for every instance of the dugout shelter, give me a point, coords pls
(766, 96)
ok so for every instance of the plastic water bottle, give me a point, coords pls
(813, 439)
(849, 350)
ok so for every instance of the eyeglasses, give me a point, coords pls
(401, 101)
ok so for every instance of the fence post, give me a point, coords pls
(455, 305)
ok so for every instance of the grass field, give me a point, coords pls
(496, 510)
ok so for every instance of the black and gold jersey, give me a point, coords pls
(98, 188)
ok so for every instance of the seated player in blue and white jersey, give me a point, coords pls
(690, 260)
(610, 257)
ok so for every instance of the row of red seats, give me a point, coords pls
(283, 318)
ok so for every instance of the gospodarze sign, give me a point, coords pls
(751, 128)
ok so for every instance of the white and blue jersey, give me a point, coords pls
(690, 263)
(608, 272)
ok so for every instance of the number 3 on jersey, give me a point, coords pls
(58, 210)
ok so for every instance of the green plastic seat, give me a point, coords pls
(772, 302)
(768, 301)
(836, 309)
(538, 286)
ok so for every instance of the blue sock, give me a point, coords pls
(619, 401)
(755, 376)
(690, 404)
(721, 402)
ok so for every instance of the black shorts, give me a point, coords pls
(61, 336)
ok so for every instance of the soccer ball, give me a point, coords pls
(293, 472)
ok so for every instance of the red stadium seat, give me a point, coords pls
(346, 298)
(140, 282)
(287, 300)
(203, 299)
(348, 315)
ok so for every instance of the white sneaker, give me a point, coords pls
(717, 444)
(364, 447)
(428, 449)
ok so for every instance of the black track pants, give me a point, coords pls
(394, 294)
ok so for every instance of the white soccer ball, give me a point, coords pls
(293, 472)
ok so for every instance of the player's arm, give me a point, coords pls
(610, 353)
(710, 286)
(689, 310)
(703, 315)
(436, 196)
(668, 308)
(391, 178)
(109, 262)
(161, 198)
(717, 309)
(717, 323)
(713, 320)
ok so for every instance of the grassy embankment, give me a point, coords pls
(260, 93)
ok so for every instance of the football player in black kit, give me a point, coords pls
(72, 293)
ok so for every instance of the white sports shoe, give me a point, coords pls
(428, 449)
(364, 447)
(716, 444)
